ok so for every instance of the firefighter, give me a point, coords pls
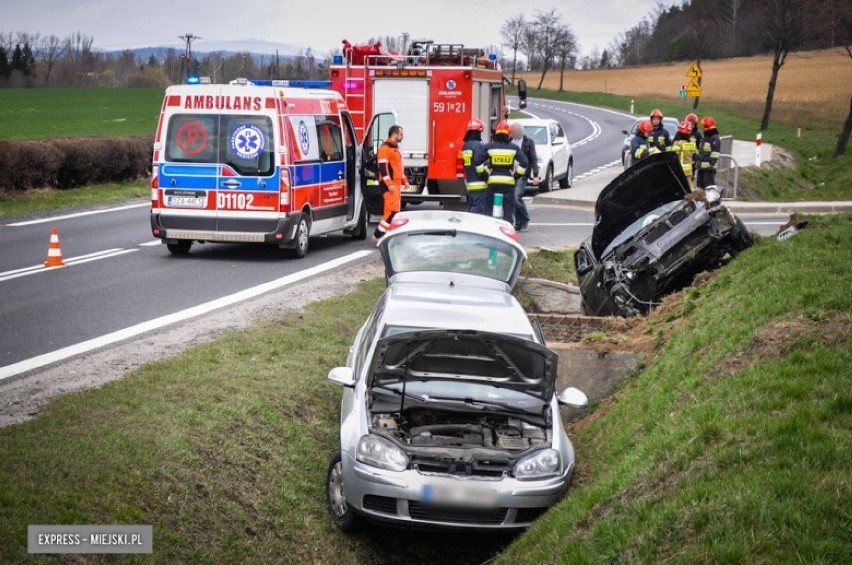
(507, 164)
(708, 155)
(392, 178)
(639, 147)
(685, 145)
(475, 161)
(659, 137)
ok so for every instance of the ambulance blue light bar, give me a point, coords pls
(293, 83)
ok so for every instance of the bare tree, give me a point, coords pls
(843, 23)
(547, 26)
(49, 52)
(512, 34)
(529, 44)
(566, 50)
(784, 30)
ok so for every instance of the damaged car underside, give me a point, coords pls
(652, 235)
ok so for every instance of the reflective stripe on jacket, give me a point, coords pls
(475, 160)
(508, 163)
(709, 151)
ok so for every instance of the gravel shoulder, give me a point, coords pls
(26, 396)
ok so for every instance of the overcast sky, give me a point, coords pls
(321, 25)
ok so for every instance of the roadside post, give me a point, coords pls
(496, 212)
(758, 142)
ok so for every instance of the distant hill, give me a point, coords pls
(201, 47)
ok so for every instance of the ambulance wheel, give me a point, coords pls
(360, 231)
(300, 249)
(180, 248)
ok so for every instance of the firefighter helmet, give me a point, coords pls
(692, 118)
(656, 113)
(503, 127)
(685, 127)
(708, 123)
(645, 127)
(475, 124)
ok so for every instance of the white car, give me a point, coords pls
(449, 417)
(555, 161)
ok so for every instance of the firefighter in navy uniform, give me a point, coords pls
(639, 146)
(507, 163)
(708, 155)
(392, 178)
(475, 160)
(659, 138)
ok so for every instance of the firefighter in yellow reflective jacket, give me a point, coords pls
(507, 164)
(708, 154)
(685, 145)
(392, 178)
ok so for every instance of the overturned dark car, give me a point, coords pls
(652, 235)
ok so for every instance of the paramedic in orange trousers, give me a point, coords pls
(392, 178)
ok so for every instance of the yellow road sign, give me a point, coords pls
(694, 71)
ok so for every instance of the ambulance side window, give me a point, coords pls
(247, 144)
(192, 138)
(330, 137)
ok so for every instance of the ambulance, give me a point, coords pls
(432, 91)
(269, 162)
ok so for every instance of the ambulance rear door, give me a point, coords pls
(375, 135)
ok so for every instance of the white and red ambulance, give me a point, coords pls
(272, 163)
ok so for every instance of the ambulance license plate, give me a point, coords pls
(184, 202)
(458, 495)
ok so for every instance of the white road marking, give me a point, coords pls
(77, 215)
(195, 311)
(70, 261)
(151, 243)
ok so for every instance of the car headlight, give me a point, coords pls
(538, 465)
(379, 452)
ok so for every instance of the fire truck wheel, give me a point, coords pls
(180, 248)
(300, 249)
(360, 231)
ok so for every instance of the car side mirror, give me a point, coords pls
(582, 265)
(342, 376)
(559, 141)
(573, 397)
(625, 132)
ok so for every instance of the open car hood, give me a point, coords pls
(648, 184)
(465, 356)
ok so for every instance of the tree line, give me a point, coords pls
(34, 60)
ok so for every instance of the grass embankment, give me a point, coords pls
(46, 199)
(733, 445)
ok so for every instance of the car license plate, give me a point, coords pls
(184, 202)
(458, 495)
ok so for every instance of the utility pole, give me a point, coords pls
(188, 38)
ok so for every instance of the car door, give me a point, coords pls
(374, 136)
(560, 150)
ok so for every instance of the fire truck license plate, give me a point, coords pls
(184, 202)
(461, 495)
(410, 188)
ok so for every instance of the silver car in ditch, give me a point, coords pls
(448, 416)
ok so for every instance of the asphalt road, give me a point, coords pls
(120, 282)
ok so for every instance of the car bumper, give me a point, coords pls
(404, 498)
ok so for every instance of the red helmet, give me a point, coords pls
(686, 127)
(708, 123)
(692, 118)
(645, 127)
(503, 127)
(475, 124)
(656, 113)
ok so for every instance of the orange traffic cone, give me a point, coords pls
(54, 253)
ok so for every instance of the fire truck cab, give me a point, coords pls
(432, 91)
(270, 163)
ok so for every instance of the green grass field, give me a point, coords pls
(731, 444)
(39, 113)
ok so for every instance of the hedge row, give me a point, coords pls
(73, 162)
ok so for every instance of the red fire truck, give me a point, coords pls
(432, 91)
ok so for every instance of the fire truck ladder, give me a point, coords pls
(355, 98)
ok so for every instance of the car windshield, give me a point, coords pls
(453, 251)
(537, 133)
(640, 223)
(465, 391)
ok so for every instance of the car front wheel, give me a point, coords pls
(345, 518)
(547, 182)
